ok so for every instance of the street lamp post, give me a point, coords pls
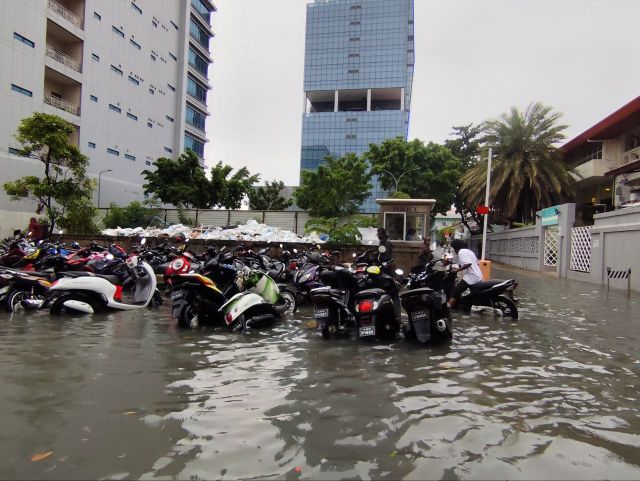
(400, 176)
(99, 182)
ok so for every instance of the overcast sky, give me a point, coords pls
(474, 60)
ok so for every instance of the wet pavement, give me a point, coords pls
(128, 395)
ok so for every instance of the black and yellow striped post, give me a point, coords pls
(623, 274)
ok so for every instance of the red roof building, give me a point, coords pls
(606, 160)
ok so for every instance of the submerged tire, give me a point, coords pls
(290, 298)
(15, 298)
(507, 306)
(188, 318)
(57, 307)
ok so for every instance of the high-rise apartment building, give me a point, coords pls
(131, 75)
(359, 58)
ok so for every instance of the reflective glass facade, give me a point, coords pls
(359, 57)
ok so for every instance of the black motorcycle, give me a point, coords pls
(425, 303)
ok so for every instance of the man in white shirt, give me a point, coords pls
(468, 262)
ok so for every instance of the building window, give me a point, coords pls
(200, 7)
(195, 118)
(152, 92)
(352, 55)
(350, 136)
(194, 145)
(173, 56)
(147, 162)
(153, 57)
(114, 108)
(93, 98)
(112, 151)
(196, 90)
(133, 81)
(197, 62)
(95, 57)
(171, 87)
(136, 8)
(130, 157)
(354, 23)
(117, 31)
(92, 145)
(174, 25)
(155, 23)
(354, 70)
(356, 7)
(150, 125)
(170, 119)
(116, 70)
(199, 35)
(97, 16)
(354, 39)
(134, 43)
(14, 151)
(410, 37)
(20, 90)
(132, 117)
(167, 149)
(24, 40)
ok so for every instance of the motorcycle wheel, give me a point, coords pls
(290, 299)
(15, 298)
(57, 307)
(188, 318)
(328, 330)
(507, 306)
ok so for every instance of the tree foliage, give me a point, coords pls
(340, 231)
(422, 170)
(527, 171)
(133, 215)
(65, 191)
(336, 189)
(268, 197)
(183, 183)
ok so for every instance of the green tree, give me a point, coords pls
(181, 182)
(133, 215)
(336, 189)
(340, 231)
(268, 197)
(527, 170)
(65, 191)
(466, 145)
(230, 192)
(422, 171)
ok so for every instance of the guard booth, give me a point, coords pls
(407, 222)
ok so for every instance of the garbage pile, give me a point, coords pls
(251, 231)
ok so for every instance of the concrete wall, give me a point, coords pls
(615, 243)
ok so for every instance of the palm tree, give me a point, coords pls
(527, 172)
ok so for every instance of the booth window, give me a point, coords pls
(405, 227)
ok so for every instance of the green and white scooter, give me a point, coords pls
(260, 303)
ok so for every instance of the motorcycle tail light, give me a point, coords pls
(365, 306)
(229, 318)
(118, 295)
(293, 265)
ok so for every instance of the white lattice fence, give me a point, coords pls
(581, 249)
(551, 247)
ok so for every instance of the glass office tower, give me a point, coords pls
(359, 57)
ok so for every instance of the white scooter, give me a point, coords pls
(91, 294)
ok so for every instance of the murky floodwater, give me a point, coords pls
(127, 395)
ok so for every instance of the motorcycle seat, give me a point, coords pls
(486, 284)
(75, 274)
(413, 292)
(370, 293)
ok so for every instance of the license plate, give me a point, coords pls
(176, 295)
(367, 331)
(418, 315)
(321, 313)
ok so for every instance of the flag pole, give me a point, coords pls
(486, 203)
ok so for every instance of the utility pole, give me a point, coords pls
(486, 203)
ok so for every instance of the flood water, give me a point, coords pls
(128, 395)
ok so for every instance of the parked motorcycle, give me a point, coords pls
(425, 303)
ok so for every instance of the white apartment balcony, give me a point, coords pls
(591, 168)
(61, 104)
(63, 58)
(72, 11)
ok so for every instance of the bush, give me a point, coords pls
(398, 194)
(339, 232)
(132, 215)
